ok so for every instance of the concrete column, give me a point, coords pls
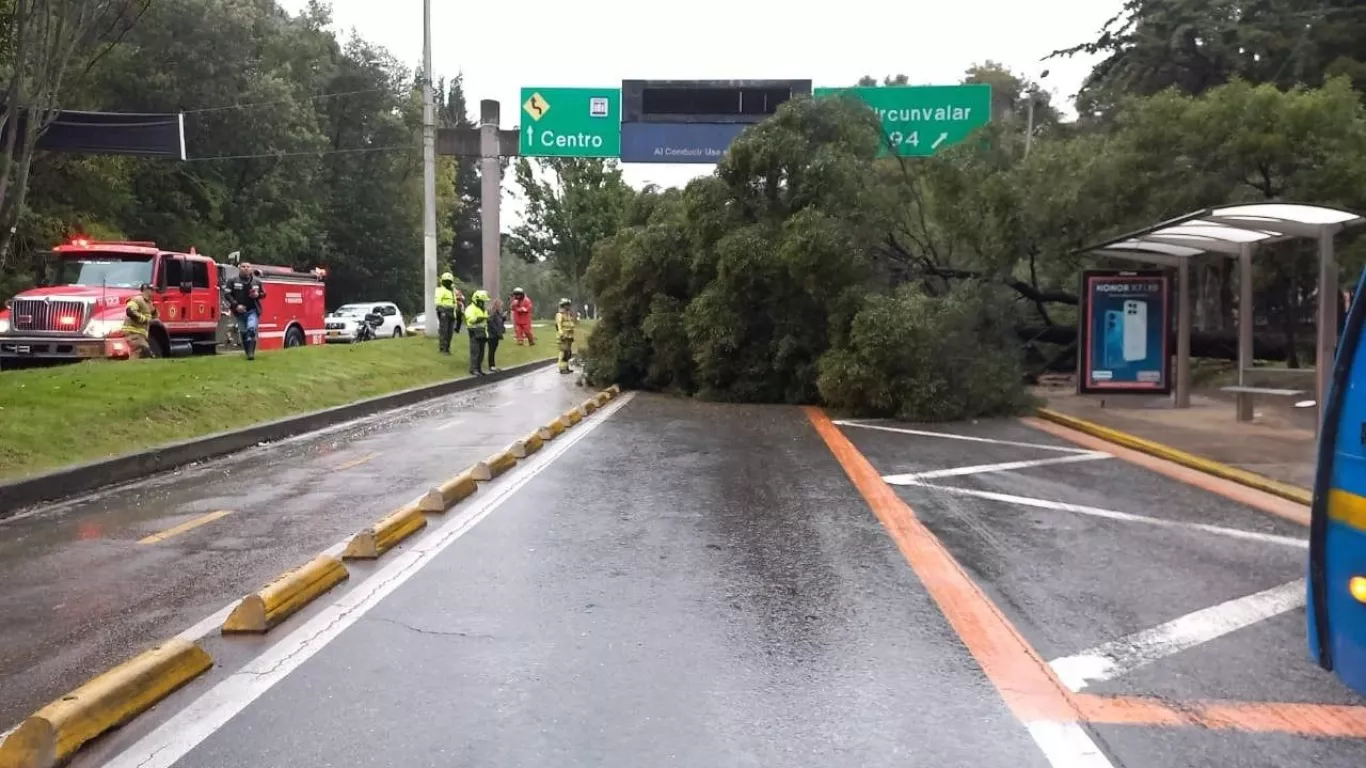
(1327, 330)
(428, 175)
(1245, 328)
(490, 196)
(1183, 334)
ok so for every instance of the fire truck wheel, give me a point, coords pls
(158, 344)
(294, 337)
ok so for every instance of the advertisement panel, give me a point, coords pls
(677, 142)
(1123, 330)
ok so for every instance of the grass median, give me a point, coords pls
(55, 417)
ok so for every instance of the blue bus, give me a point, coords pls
(1337, 533)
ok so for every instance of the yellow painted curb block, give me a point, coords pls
(56, 731)
(384, 535)
(494, 465)
(603, 398)
(615, 389)
(449, 493)
(1201, 464)
(526, 446)
(552, 430)
(276, 601)
(589, 405)
(572, 416)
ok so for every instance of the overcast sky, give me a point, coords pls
(502, 47)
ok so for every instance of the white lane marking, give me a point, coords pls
(447, 425)
(914, 477)
(1266, 538)
(969, 438)
(1118, 657)
(184, 731)
(1067, 745)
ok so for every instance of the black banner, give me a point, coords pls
(114, 133)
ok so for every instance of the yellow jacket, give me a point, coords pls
(564, 326)
(137, 318)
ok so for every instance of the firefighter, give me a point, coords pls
(564, 333)
(477, 321)
(137, 321)
(445, 311)
(244, 296)
(521, 307)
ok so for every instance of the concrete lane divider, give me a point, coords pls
(526, 446)
(55, 732)
(449, 493)
(589, 405)
(384, 535)
(603, 398)
(572, 416)
(278, 600)
(1199, 463)
(552, 430)
(494, 465)
(615, 389)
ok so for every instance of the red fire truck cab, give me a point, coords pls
(81, 315)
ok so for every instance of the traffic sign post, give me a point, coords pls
(919, 120)
(571, 122)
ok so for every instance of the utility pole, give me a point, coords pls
(1029, 120)
(428, 175)
(490, 196)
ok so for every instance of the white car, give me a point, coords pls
(341, 325)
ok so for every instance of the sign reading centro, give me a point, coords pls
(571, 122)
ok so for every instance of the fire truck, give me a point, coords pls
(80, 316)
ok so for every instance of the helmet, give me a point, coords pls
(565, 302)
(447, 277)
(516, 291)
(480, 296)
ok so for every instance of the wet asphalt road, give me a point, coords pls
(81, 593)
(701, 585)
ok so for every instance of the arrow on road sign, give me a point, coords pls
(942, 138)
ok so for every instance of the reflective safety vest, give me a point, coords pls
(564, 326)
(475, 316)
(445, 297)
(137, 318)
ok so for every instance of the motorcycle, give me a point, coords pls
(366, 331)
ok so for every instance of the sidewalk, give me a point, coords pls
(1279, 444)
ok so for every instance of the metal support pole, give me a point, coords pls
(1245, 328)
(1029, 126)
(1327, 331)
(428, 175)
(1183, 334)
(490, 196)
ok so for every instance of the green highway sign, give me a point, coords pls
(921, 119)
(571, 122)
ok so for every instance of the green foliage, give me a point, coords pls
(918, 357)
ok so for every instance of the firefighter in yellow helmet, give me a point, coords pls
(564, 333)
(137, 321)
(445, 312)
(477, 320)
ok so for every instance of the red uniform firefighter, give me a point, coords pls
(521, 307)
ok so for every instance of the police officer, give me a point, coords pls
(137, 321)
(445, 311)
(244, 294)
(564, 333)
(477, 321)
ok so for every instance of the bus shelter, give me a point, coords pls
(1236, 232)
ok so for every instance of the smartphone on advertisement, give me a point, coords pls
(1114, 336)
(1135, 336)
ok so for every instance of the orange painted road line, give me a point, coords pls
(1023, 679)
(352, 464)
(1326, 720)
(1260, 500)
(189, 525)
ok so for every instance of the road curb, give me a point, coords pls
(1189, 460)
(82, 478)
(526, 446)
(494, 466)
(267, 607)
(55, 732)
(589, 406)
(449, 493)
(552, 430)
(572, 416)
(384, 535)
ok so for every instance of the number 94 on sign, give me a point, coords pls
(897, 138)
